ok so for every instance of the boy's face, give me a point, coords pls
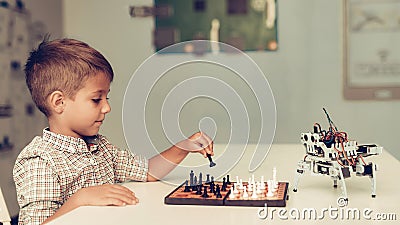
(84, 115)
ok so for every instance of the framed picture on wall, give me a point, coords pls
(371, 49)
(248, 25)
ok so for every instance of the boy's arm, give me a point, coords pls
(107, 194)
(40, 195)
(162, 164)
(38, 191)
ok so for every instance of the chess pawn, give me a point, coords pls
(218, 192)
(212, 188)
(205, 195)
(187, 188)
(254, 194)
(241, 184)
(235, 189)
(245, 194)
(249, 187)
(198, 190)
(232, 194)
(224, 184)
(262, 185)
(273, 186)
(270, 193)
(259, 189)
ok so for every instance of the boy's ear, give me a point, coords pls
(56, 101)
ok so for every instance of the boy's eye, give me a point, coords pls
(96, 100)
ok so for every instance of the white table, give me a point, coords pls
(313, 192)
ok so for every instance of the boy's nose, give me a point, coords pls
(106, 108)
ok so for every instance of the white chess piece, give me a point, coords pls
(254, 194)
(241, 184)
(262, 183)
(235, 189)
(271, 185)
(245, 194)
(232, 194)
(259, 188)
(249, 187)
(270, 189)
(275, 183)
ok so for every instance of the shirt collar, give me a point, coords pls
(70, 144)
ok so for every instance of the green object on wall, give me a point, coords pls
(249, 25)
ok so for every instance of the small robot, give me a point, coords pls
(331, 153)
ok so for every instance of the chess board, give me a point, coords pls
(179, 197)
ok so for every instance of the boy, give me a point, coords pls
(71, 165)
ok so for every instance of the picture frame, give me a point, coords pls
(371, 49)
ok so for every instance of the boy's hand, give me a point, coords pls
(160, 165)
(198, 142)
(107, 194)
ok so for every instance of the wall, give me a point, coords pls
(305, 73)
(23, 124)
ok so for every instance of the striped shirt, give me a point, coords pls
(50, 169)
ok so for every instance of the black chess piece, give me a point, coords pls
(208, 178)
(212, 164)
(227, 179)
(223, 188)
(205, 195)
(200, 179)
(218, 192)
(194, 187)
(187, 187)
(198, 191)
(212, 187)
(191, 178)
(224, 184)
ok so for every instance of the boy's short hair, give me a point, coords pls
(62, 65)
